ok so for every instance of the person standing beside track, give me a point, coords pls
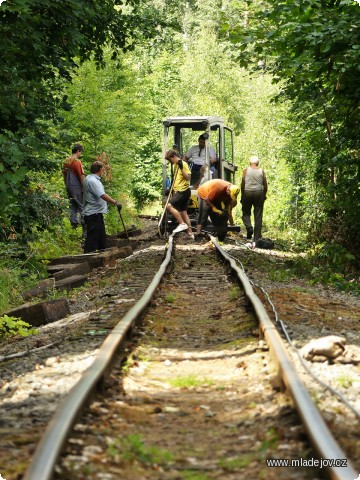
(95, 205)
(177, 205)
(74, 177)
(217, 200)
(253, 194)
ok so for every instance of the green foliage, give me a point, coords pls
(181, 58)
(170, 298)
(316, 64)
(233, 464)
(147, 178)
(234, 293)
(9, 287)
(11, 326)
(58, 241)
(47, 38)
(111, 113)
(43, 44)
(19, 270)
(193, 475)
(133, 449)
(25, 199)
(333, 264)
(271, 440)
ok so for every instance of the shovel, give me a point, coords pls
(119, 207)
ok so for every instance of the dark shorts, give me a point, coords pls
(180, 200)
(196, 167)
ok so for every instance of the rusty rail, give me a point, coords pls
(320, 436)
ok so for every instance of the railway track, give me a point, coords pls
(187, 405)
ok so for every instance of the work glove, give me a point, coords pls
(216, 210)
(181, 165)
(118, 206)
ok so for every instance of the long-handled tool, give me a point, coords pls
(119, 207)
(166, 204)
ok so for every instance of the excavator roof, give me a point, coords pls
(195, 122)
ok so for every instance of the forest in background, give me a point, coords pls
(284, 75)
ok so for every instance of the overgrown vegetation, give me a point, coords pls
(303, 47)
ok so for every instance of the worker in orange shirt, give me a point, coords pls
(217, 198)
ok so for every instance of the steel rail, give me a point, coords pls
(51, 444)
(320, 436)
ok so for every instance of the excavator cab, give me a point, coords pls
(181, 133)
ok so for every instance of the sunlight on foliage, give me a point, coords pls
(11, 326)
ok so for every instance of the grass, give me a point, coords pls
(344, 381)
(133, 359)
(190, 381)
(192, 475)
(9, 293)
(270, 441)
(132, 448)
(280, 275)
(234, 293)
(235, 463)
(170, 298)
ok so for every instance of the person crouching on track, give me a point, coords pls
(217, 198)
(177, 205)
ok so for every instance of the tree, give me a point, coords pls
(312, 48)
(113, 112)
(43, 42)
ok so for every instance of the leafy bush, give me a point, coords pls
(10, 326)
(60, 240)
(20, 269)
(334, 265)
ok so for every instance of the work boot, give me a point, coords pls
(249, 233)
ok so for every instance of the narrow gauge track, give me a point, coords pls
(215, 328)
(33, 385)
